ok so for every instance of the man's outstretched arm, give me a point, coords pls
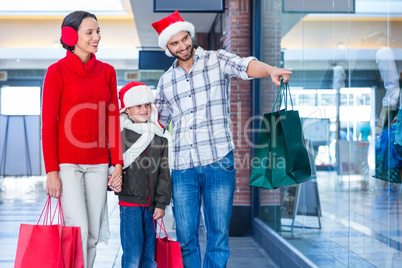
(258, 69)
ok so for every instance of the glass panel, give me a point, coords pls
(347, 70)
(20, 100)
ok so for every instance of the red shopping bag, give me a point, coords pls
(70, 242)
(49, 245)
(167, 253)
(39, 246)
(72, 247)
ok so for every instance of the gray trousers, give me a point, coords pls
(83, 201)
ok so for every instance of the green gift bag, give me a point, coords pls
(281, 156)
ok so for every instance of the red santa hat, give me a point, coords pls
(135, 93)
(170, 26)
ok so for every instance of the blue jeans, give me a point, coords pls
(138, 238)
(215, 183)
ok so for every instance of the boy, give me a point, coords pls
(147, 188)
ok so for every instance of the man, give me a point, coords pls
(195, 94)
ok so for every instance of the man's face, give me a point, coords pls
(181, 46)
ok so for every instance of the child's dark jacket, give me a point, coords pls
(148, 176)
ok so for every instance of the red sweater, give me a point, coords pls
(80, 113)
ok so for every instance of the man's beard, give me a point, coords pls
(189, 56)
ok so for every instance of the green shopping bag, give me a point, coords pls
(281, 156)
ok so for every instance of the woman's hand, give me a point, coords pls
(159, 213)
(115, 180)
(53, 184)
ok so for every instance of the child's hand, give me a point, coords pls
(115, 180)
(111, 187)
(159, 213)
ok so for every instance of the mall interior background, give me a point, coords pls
(343, 217)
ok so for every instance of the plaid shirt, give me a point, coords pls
(198, 103)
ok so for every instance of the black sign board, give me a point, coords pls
(210, 6)
(321, 6)
(154, 60)
(300, 199)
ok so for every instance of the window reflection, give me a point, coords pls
(346, 81)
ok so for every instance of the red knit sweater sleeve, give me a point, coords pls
(51, 95)
(113, 124)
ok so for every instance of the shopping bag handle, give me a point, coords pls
(162, 228)
(157, 235)
(60, 215)
(284, 90)
(47, 209)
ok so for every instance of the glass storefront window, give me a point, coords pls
(347, 69)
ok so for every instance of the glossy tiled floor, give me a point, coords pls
(361, 224)
(22, 200)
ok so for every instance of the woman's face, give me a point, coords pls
(139, 113)
(88, 37)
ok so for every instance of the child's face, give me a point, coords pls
(139, 113)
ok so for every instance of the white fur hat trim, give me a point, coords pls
(136, 96)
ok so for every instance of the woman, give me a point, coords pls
(80, 131)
